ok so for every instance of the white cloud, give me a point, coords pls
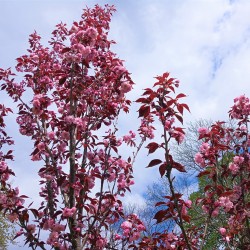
(134, 200)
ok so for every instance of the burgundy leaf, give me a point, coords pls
(152, 146)
(154, 163)
(144, 111)
(179, 167)
(180, 95)
(162, 169)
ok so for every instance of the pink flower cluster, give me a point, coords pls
(129, 139)
(235, 165)
(223, 232)
(27, 124)
(132, 228)
(169, 123)
(125, 87)
(178, 134)
(40, 103)
(146, 129)
(203, 131)
(241, 107)
(226, 203)
(199, 159)
(69, 212)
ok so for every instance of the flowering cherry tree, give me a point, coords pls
(70, 90)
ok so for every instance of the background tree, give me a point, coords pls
(7, 232)
(185, 152)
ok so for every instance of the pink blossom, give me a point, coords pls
(205, 209)
(92, 33)
(125, 87)
(73, 29)
(12, 217)
(41, 146)
(233, 167)
(131, 182)
(119, 70)
(126, 232)
(134, 236)
(51, 135)
(172, 237)
(226, 203)
(203, 130)
(141, 227)
(101, 243)
(69, 119)
(78, 155)
(179, 136)
(129, 138)
(236, 194)
(112, 177)
(121, 163)
(53, 238)
(199, 159)
(81, 124)
(216, 211)
(69, 212)
(40, 214)
(80, 34)
(126, 225)
(188, 203)
(61, 110)
(118, 237)
(3, 166)
(91, 182)
(36, 100)
(121, 183)
(241, 107)
(169, 123)
(31, 228)
(61, 147)
(85, 51)
(48, 224)
(204, 148)
(243, 128)
(183, 210)
(36, 157)
(238, 159)
(146, 130)
(222, 231)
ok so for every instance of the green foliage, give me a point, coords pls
(199, 218)
(7, 232)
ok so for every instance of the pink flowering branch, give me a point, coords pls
(229, 188)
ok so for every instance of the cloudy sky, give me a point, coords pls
(203, 43)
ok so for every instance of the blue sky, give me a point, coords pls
(203, 43)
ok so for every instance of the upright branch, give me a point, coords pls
(160, 105)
